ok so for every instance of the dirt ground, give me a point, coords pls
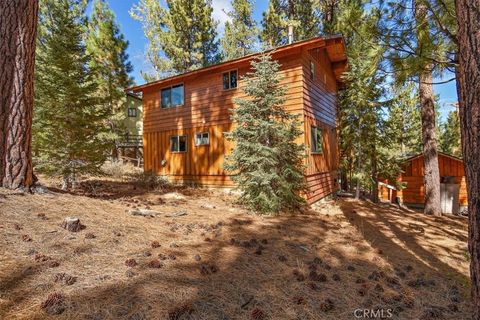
(220, 262)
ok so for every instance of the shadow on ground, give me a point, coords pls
(323, 264)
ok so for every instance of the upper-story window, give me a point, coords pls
(132, 112)
(172, 96)
(312, 70)
(230, 80)
(317, 140)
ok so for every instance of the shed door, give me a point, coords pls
(449, 197)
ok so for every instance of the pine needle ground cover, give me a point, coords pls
(220, 262)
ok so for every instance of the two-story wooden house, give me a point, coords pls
(186, 116)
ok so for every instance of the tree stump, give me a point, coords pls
(72, 224)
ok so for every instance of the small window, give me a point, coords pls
(202, 139)
(317, 141)
(178, 143)
(230, 80)
(132, 112)
(173, 96)
(312, 70)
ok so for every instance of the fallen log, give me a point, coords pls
(144, 212)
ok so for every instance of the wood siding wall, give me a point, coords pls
(320, 110)
(413, 176)
(207, 109)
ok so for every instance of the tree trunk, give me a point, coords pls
(430, 154)
(18, 25)
(468, 87)
(374, 195)
(357, 190)
(427, 110)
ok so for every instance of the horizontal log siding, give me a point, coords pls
(207, 103)
(207, 109)
(320, 111)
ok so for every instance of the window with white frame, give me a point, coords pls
(316, 140)
(230, 80)
(202, 139)
(178, 143)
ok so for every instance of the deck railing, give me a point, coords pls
(130, 140)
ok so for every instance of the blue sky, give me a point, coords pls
(133, 32)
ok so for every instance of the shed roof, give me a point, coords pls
(334, 44)
(439, 153)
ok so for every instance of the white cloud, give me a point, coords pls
(220, 9)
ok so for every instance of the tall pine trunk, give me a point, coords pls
(427, 110)
(430, 154)
(468, 86)
(359, 168)
(374, 195)
(18, 25)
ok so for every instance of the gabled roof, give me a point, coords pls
(334, 44)
(439, 153)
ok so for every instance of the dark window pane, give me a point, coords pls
(233, 79)
(166, 98)
(312, 70)
(177, 95)
(132, 112)
(226, 81)
(205, 139)
(201, 138)
(182, 145)
(174, 144)
(319, 140)
(313, 138)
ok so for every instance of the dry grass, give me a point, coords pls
(219, 262)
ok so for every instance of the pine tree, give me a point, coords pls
(468, 15)
(306, 19)
(365, 144)
(418, 49)
(107, 47)
(403, 124)
(18, 27)
(329, 12)
(300, 14)
(182, 37)
(266, 162)
(274, 27)
(450, 140)
(240, 34)
(68, 126)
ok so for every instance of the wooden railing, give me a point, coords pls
(130, 140)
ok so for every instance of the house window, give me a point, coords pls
(202, 139)
(178, 143)
(172, 97)
(312, 70)
(230, 80)
(132, 112)
(317, 140)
